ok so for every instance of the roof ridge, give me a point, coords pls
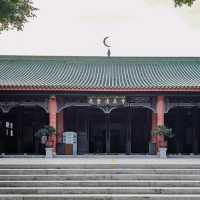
(97, 59)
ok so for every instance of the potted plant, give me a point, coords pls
(160, 133)
(44, 134)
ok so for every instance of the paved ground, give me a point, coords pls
(102, 160)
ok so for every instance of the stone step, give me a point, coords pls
(114, 165)
(99, 197)
(100, 183)
(98, 171)
(100, 190)
(101, 177)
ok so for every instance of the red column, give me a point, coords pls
(60, 128)
(160, 119)
(154, 121)
(153, 125)
(52, 119)
(160, 110)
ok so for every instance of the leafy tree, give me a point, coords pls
(184, 2)
(15, 13)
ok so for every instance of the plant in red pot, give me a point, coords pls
(160, 133)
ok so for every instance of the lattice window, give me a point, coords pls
(9, 129)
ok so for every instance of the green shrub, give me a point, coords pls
(162, 130)
(45, 131)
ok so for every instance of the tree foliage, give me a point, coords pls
(15, 13)
(184, 2)
(45, 131)
(162, 130)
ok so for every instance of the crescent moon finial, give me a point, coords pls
(106, 45)
(104, 41)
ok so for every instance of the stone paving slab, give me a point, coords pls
(99, 160)
(100, 197)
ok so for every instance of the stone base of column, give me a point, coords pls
(160, 142)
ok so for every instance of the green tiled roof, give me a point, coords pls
(99, 72)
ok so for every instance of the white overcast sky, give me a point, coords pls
(135, 27)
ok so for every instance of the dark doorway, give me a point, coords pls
(140, 130)
(97, 131)
(18, 128)
(118, 130)
(89, 124)
(109, 133)
(185, 124)
(117, 139)
(97, 137)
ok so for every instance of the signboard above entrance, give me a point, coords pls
(107, 100)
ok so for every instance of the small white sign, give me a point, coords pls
(71, 138)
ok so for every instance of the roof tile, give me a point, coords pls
(99, 72)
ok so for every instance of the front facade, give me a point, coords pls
(112, 103)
